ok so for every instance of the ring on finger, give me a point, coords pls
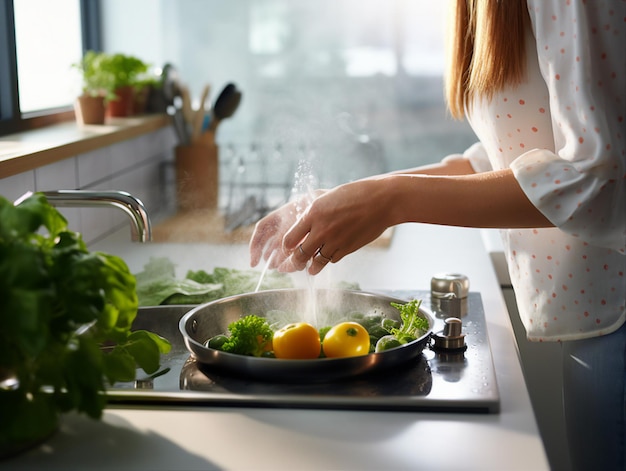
(302, 251)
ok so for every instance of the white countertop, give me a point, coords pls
(255, 439)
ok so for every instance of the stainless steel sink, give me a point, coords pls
(164, 321)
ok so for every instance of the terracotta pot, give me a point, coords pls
(124, 103)
(89, 109)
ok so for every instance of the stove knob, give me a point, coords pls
(451, 337)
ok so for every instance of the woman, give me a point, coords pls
(542, 82)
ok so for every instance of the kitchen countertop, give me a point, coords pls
(250, 438)
(38, 147)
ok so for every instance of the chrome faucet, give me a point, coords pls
(141, 230)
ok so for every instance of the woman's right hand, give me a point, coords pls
(267, 238)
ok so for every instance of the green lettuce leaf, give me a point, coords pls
(157, 283)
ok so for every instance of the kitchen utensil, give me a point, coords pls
(180, 118)
(179, 125)
(198, 117)
(208, 320)
(171, 83)
(225, 105)
(186, 105)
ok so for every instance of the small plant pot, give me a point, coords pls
(124, 103)
(89, 109)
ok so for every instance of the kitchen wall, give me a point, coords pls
(355, 85)
(139, 166)
(325, 74)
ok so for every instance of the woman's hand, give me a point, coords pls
(267, 238)
(268, 233)
(333, 225)
(352, 210)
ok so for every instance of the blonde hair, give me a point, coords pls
(485, 50)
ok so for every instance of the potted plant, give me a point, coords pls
(145, 86)
(126, 72)
(65, 324)
(97, 88)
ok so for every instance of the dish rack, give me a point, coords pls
(254, 180)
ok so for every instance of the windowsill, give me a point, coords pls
(29, 150)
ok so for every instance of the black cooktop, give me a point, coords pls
(458, 381)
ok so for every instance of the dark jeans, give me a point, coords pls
(594, 397)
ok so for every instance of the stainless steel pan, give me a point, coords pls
(208, 320)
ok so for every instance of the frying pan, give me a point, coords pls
(213, 318)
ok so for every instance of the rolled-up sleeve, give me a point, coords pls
(581, 186)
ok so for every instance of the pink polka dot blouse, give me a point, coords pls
(563, 132)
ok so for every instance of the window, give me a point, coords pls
(45, 51)
(40, 40)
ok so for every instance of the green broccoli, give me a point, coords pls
(251, 335)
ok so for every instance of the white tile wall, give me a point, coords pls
(13, 187)
(93, 166)
(57, 176)
(135, 166)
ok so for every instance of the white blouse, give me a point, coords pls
(563, 133)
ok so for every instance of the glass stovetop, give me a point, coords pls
(448, 382)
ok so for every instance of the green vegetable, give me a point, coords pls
(378, 331)
(387, 343)
(355, 316)
(250, 335)
(157, 283)
(389, 324)
(413, 325)
(217, 342)
(370, 320)
(323, 331)
(60, 305)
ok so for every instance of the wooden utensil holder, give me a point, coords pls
(197, 175)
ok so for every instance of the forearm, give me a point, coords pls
(447, 167)
(489, 200)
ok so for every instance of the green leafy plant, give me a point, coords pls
(65, 322)
(126, 70)
(105, 73)
(97, 78)
(147, 80)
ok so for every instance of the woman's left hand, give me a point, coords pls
(336, 224)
